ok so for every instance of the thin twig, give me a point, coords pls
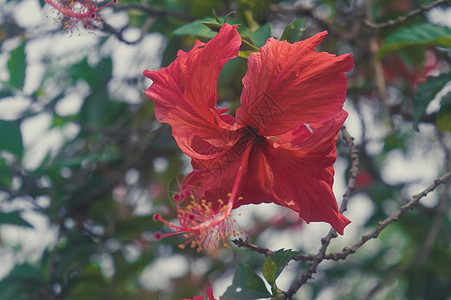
(265, 251)
(319, 257)
(404, 18)
(309, 12)
(354, 171)
(394, 217)
(152, 11)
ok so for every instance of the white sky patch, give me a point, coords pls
(157, 276)
(31, 241)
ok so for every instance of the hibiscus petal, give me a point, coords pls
(290, 84)
(303, 177)
(185, 92)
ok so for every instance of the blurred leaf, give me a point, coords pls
(246, 285)
(260, 36)
(396, 141)
(293, 31)
(21, 283)
(425, 94)
(5, 173)
(11, 137)
(5, 93)
(214, 26)
(419, 34)
(444, 114)
(74, 255)
(17, 66)
(198, 28)
(13, 218)
(202, 8)
(254, 12)
(275, 263)
(96, 76)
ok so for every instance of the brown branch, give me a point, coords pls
(312, 268)
(354, 171)
(245, 243)
(265, 251)
(309, 12)
(152, 11)
(394, 217)
(319, 257)
(404, 18)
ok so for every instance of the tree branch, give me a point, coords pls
(394, 217)
(404, 18)
(319, 257)
(152, 11)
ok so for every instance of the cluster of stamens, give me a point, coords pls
(73, 12)
(200, 224)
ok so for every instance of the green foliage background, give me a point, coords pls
(115, 165)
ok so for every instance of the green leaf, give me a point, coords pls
(425, 94)
(419, 34)
(96, 76)
(200, 28)
(293, 31)
(17, 66)
(443, 121)
(13, 218)
(246, 285)
(5, 93)
(11, 137)
(21, 283)
(260, 36)
(274, 265)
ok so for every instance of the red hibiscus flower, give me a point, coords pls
(209, 293)
(281, 146)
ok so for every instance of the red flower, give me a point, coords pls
(280, 147)
(209, 293)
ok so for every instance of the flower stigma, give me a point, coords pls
(201, 224)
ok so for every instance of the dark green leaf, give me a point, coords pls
(293, 31)
(21, 283)
(5, 93)
(13, 218)
(274, 265)
(11, 137)
(96, 76)
(444, 114)
(214, 26)
(260, 36)
(198, 28)
(425, 94)
(246, 285)
(419, 34)
(17, 66)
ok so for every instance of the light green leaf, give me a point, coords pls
(293, 31)
(246, 284)
(274, 265)
(11, 137)
(17, 66)
(419, 34)
(425, 94)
